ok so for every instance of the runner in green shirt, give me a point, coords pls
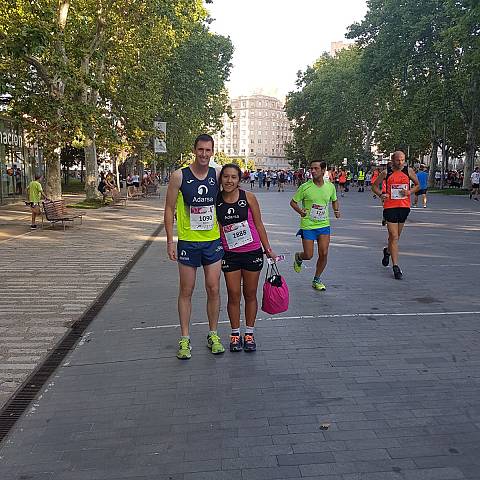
(311, 202)
(35, 195)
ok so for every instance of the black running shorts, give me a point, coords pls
(396, 215)
(251, 261)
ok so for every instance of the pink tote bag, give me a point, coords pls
(275, 292)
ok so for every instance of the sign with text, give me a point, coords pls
(159, 141)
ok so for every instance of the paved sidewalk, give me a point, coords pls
(373, 379)
(50, 277)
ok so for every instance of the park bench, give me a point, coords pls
(152, 190)
(117, 197)
(56, 212)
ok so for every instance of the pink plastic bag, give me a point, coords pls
(275, 292)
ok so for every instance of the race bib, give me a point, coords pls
(396, 189)
(318, 212)
(202, 218)
(238, 234)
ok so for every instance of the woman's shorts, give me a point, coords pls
(136, 184)
(251, 261)
(396, 215)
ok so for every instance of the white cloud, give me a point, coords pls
(273, 39)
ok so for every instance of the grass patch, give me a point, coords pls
(74, 186)
(449, 191)
(88, 204)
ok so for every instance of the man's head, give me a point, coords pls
(317, 169)
(38, 176)
(203, 149)
(477, 169)
(398, 159)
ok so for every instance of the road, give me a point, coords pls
(374, 379)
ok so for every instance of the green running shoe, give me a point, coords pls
(297, 263)
(184, 348)
(214, 344)
(318, 285)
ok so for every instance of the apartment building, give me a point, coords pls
(257, 132)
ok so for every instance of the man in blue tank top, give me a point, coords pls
(191, 194)
(422, 176)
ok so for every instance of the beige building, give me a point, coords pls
(336, 47)
(258, 132)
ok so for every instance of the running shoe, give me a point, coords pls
(184, 348)
(297, 263)
(214, 344)
(397, 273)
(33, 227)
(414, 206)
(236, 343)
(249, 344)
(386, 257)
(424, 206)
(318, 285)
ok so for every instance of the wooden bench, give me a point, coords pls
(117, 197)
(152, 190)
(56, 212)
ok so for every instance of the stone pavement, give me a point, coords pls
(50, 277)
(373, 379)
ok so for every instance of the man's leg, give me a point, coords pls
(212, 286)
(323, 242)
(415, 199)
(187, 284)
(394, 230)
(35, 213)
(424, 198)
(307, 253)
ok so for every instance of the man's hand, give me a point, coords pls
(336, 213)
(384, 196)
(172, 252)
(303, 212)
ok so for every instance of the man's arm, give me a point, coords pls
(375, 185)
(336, 208)
(169, 214)
(301, 211)
(414, 179)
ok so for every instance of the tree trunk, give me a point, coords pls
(53, 188)
(470, 151)
(91, 168)
(433, 164)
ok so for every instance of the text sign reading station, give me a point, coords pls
(8, 137)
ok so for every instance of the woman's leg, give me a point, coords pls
(233, 281)
(250, 285)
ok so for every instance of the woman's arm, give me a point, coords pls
(257, 219)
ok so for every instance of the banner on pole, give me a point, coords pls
(159, 141)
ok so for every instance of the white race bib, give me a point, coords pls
(396, 189)
(318, 212)
(238, 234)
(202, 218)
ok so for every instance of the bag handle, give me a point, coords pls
(272, 269)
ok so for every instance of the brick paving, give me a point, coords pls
(373, 379)
(50, 277)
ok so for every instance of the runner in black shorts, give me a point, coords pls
(243, 235)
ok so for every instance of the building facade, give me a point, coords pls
(257, 133)
(18, 162)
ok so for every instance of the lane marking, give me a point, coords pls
(325, 316)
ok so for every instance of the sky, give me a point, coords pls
(274, 39)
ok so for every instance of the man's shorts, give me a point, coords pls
(196, 254)
(475, 186)
(251, 261)
(313, 234)
(396, 215)
(422, 191)
(32, 204)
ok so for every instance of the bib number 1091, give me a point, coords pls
(202, 218)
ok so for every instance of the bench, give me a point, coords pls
(152, 190)
(56, 212)
(117, 197)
